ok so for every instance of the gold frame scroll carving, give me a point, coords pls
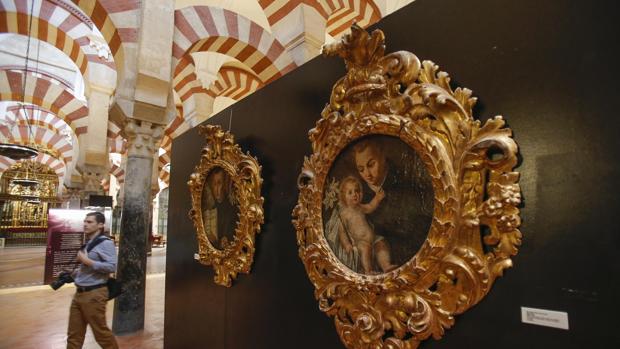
(235, 255)
(474, 227)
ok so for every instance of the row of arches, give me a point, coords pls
(99, 36)
(260, 50)
(85, 34)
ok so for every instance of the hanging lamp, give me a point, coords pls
(17, 151)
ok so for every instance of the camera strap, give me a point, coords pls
(115, 287)
(89, 246)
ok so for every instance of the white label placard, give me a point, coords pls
(543, 317)
(196, 256)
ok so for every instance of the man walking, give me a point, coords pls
(89, 302)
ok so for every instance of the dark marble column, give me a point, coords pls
(143, 139)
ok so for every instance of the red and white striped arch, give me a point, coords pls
(117, 21)
(166, 142)
(117, 172)
(58, 166)
(40, 117)
(204, 28)
(116, 142)
(164, 173)
(234, 82)
(164, 158)
(55, 24)
(47, 95)
(339, 14)
(175, 128)
(50, 139)
(164, 176)
(41, 74)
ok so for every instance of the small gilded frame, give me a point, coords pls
(227, 206)
(408, 206)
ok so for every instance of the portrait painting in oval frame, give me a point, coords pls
(227, 206)
(408, 206)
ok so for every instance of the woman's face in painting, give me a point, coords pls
(370, 165)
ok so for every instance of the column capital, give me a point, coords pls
(143, 138)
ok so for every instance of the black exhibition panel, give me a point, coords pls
(550, 68)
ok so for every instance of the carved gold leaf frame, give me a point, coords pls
(475, 219)
(235, 255)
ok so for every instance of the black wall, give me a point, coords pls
(550, 68)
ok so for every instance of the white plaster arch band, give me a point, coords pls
(47, 95)
(204, 28)
(55, 25)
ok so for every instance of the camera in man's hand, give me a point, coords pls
(63, 278)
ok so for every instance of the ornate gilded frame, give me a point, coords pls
(473, 232)
(235, 256)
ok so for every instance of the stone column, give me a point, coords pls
(143, 142)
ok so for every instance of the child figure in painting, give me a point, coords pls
(356, 232)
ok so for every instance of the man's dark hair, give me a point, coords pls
(99, 217)
(373, 143)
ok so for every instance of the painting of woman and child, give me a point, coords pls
(377, 205)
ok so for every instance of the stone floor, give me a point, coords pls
(35, 316)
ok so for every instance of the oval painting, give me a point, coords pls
(377, 204)
(219, 207)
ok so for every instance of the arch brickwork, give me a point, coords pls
(55, 25)
(47, 95)
(228, 33)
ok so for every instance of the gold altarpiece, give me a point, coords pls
(23, 209)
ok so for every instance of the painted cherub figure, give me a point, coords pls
(356, 232)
